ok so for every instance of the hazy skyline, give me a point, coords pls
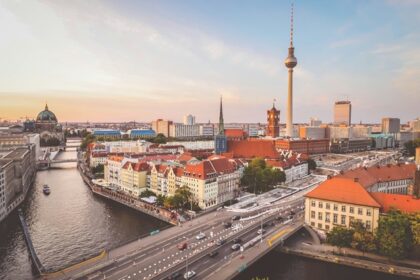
(142, 60)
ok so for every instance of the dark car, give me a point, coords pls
(236, 240)
(220, 242)
(279, 218)
(213, 254)
(174, 275)
(292, 212)
(227, 224)
(182, 246)
(236, 217)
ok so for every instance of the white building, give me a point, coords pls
(139, 146)
(189, 120)
(193, 145)
(178, 130)
(207, 130)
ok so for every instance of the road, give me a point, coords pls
(162, 260)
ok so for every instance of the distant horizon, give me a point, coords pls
(165, 59)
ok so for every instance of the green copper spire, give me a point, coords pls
(221, 122)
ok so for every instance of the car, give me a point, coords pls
(236, 217)
(236, 240)
(290, 217)
(279, 218)
(220, 242)
(236, 247)
(292, 212)
(182, 246)
(261, 231)
(190, 274)
(200, 236)
(174, 275)
(213, 254)
(227, 224)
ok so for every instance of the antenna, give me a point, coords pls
(291, 26)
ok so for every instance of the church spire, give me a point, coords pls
(46, 106)
(221, 121)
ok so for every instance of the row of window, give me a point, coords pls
(343, 219)
(343, 208)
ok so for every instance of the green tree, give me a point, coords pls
(394, 235)
(362, 239)
(340, 237)
(89, 138)
(311, 164)
(160, 200)
(147, 193)
(159, 139)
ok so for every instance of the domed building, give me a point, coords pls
(51, 132)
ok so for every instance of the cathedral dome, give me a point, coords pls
(46, 116)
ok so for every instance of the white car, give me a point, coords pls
(261, 231)
(190, 274)
(200, 236)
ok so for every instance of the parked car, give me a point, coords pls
(236, 217)
(261, 231)
(174, 275)
(190, 274)
(220, 242)
(182, 246)
(227, 224)
(213, 254)
(279, 218)
(237, 240)
(200, 236)
(236, 247)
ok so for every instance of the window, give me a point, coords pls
(360, 211)
(319, 215)
(313, 203)
(368, 225)
(320, 204)
(312, 224)
(343, 208)
(343, 219)
(327, 206)
(368, 212)
(351, 219)
(351, 210)
(335, 218)
(327, 227)
(313, 214)
(319, 225)
(335, 207)
(327, 217)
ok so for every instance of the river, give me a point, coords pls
(71, 224)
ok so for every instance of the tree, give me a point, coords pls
(362, 239)
(394, 235)
(340, 237)
(159, 139)
(259, 177)
(98, 169)
(89, 138)
(147, 193)
(160, 200)
(311, 164)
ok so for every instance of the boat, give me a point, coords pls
(46, 189)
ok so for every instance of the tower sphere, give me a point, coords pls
(291, 60)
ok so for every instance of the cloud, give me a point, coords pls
(345, 43)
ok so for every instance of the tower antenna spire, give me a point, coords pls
(291, 25)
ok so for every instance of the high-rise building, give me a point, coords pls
(342, 112)
(189, 119)
(220, 140)
(161, 126)
(390, 125)
(273, 119)
(290, 63)
(315, 122)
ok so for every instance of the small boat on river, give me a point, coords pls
(46, 189)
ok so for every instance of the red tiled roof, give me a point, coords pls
(404, 203)
(235, 133)
(343, 190)
(116, 158)
(99, 154)
(252, 148)
(372, 175)
(138, 166)
(210, 167)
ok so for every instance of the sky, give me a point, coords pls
(142, 60)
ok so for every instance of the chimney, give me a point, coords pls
(329, 177)
(356, 179)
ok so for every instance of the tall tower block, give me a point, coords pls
(290, 63)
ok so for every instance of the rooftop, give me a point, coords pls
(404, 203)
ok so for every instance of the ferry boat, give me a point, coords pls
(46, 189)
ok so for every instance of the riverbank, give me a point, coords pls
(302, 245)
(119, 197)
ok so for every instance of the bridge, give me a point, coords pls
(157, 256)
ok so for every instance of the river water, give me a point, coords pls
(71, 224)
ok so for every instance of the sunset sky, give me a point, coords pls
(142, 60)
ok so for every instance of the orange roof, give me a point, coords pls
(343, 190)
(217, 165)
(404, 203)
(372, 175)
(234, 133)
(252, 148)
(139, 166)
(115, 158)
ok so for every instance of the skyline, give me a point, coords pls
(141, 61)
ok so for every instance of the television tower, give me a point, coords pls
(290, 63)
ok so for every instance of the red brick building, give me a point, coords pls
(305, 146)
